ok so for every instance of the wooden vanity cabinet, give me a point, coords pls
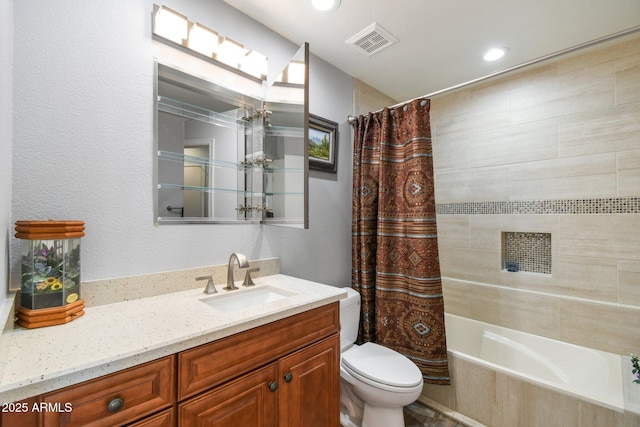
(282, 374)
(310, 392)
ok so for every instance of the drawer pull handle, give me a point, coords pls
(115, 405)
(273, 386)
(288, 377)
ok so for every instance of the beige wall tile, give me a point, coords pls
(629, 171)
(578, 91)
(590, 278)
(606, 236)
(525, 311)
(599, 53)
(475, 390)
(606, 130)
(367, 99)
(486, 230)
(473, 110)
(526, 76)
(456, 299)
(515, 144)
(443, 394)
(627, 75)
(590, 88)
(483, 154)
(509, 401)
(486, 184)
(543, 407)
(567, 178)
(453, 231)
(607, 327)
(629, 283)
(535, 102)
(601, 326)
(450, 151)
(474, 265)
(596, 416)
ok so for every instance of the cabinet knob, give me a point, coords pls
(288, 377)
(115, 405)
(273, 386)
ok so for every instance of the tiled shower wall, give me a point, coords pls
(545, 150)
(552, 148)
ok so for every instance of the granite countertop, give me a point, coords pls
(109, 338)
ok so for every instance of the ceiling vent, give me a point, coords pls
(372, 39)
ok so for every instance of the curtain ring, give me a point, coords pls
(423, 103)
(405, 108)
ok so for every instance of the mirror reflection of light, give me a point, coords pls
(170, 25)
(254, 63)
(203, 40)
(230, 52)
(296, 73)
(325, 5)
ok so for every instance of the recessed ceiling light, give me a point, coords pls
(495, 53)
(325, 5)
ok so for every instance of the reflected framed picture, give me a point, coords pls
(323, 144)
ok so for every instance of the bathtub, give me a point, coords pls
(587, 374)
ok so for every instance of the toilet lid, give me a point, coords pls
(382, 365)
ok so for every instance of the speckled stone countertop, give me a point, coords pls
(112, 337)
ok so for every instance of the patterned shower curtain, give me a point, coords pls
(394, 244)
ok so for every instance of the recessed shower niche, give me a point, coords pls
(526, 252)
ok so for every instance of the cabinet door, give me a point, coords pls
(19, 414)
(310, 392)
(248, 402)
(163, 419)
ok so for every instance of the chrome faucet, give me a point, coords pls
(242, 263)
(209, 288)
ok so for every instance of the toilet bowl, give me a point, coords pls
(375, 381)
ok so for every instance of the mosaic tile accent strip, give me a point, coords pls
(616, 205)
(529, 252)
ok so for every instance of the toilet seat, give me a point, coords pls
(381, 367)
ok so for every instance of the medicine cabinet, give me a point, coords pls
(226, 155)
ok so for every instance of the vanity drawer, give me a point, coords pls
(116, 399)
(211, 364)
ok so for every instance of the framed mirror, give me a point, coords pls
(223, 156)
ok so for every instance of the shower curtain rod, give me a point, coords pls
(631, 30)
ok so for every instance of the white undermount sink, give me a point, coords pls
(245, 298)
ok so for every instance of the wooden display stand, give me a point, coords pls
(49, 316)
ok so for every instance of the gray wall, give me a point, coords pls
(83, 100)
(6, 38)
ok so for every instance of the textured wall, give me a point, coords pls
(554, 148)
(6, 46)
(83, 145)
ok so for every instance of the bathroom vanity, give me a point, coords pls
(273, 364)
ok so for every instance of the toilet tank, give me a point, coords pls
(349, 318)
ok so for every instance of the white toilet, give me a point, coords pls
(375, 381)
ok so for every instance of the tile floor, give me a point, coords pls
(418, 415)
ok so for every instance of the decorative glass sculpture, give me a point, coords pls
(50, 263)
